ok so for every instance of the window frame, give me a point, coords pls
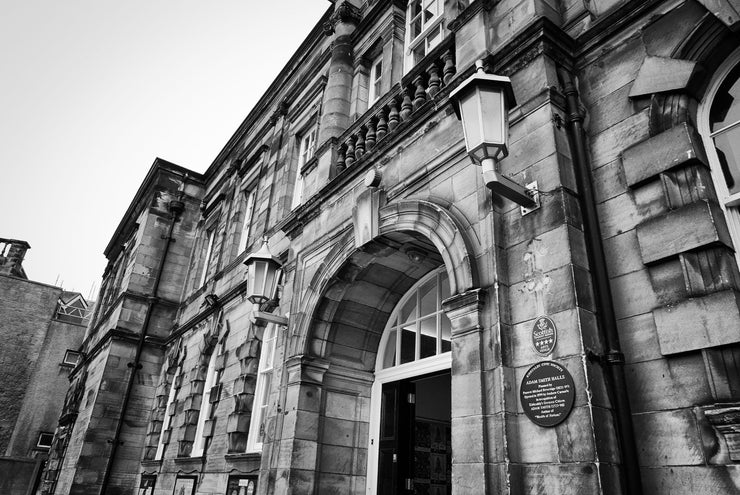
(375, 80)
(306, 149)
(418, 367)
(159, 454)
(41, 446)
(436, 23)
(144, 487)
(206, 405)
(249, 202)
(265, 371)
(210, 240)
(69, 352)
(730, 203)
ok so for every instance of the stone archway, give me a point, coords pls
(348, 301)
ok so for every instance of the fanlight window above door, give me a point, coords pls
(418, 328)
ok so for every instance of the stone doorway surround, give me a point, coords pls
(324, 427)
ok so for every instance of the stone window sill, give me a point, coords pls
(247, 456)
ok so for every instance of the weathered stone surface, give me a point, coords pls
(672, 148)
(687, 228)
(698, 323)
(668, 438)
(661, 74)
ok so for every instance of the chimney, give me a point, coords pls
(12, 252)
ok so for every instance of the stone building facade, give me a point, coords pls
(421, 308)
(41, 330)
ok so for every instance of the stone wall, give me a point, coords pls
(26, 308)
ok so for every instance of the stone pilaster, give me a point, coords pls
(469, 439)
(298, 448)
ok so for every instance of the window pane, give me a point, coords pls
(726, 108)
(446, 332)
(444, 284)
(389, 360)
(428, 337)
(428, 295)
(408, 312)
(728, 151)
(408, 344)
(388, 414)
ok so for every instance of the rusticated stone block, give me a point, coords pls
(667, 150)
(238, 422)
(695, 225)
(669, 438)
(699, 323)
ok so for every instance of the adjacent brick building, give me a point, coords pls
(41, 329)
(421, 308)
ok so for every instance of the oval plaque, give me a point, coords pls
(544, 335)
(547, 393)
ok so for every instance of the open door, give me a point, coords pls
(414, 447)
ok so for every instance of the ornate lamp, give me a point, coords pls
(263, 276)
(482, 103)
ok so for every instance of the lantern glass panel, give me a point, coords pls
(492, 121)
(259, 268)
(470, 111)
(269, 286)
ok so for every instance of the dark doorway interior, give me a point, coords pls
(415, 453)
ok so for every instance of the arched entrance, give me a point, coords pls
(410, 446)
(359, 305)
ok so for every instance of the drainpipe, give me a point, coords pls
(613, 358)
(176, 207)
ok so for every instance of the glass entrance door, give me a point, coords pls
(414, 447)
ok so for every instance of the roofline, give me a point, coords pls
(159, 165)
(266, 99)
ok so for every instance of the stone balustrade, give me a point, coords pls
(419, 87)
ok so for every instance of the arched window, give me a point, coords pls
(262, 390)
(412, 391)
(417, 328)
(719, 125)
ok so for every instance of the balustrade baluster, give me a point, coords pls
(370, 136)
(406, 105)
(434, 80)
(350, 152)
(341, 154)
(393, 115)
(449, 68)
(382, 127)
(420, 94)
(359, 145)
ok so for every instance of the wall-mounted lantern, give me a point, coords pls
(482, 103)
(263, 277)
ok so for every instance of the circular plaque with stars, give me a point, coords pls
(544, 335)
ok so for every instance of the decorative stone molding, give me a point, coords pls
(366, 215)
(661, 74)
(344, 12)
(675, 147)
(693, 226)
(698, 323)
(464, 311)
(725, 418)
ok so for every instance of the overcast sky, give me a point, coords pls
(91, 91)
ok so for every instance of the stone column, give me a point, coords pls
(335, 116)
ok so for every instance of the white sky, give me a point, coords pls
(91, 91)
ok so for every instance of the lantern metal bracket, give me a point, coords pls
(261, 318)
(535, 194)
(506, 187)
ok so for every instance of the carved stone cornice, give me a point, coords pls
(344, 12)
(469, 13)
